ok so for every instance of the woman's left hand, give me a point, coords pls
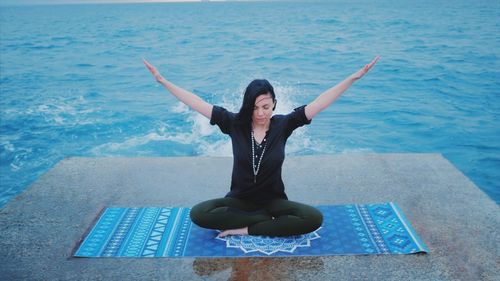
(357, 75)
(153, 71)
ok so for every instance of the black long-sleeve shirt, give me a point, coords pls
(268, 185)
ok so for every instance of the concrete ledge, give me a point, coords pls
(456, 220)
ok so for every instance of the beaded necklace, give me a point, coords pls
(256, 168)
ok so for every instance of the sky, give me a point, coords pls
(44, 2)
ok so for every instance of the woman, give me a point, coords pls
(256, 203)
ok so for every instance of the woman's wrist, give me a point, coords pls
(161, 80)
(353, 77)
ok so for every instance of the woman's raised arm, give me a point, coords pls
(330, 95)
(188, 98)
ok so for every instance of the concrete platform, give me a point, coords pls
(456, 220)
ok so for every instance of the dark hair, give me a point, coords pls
(256, 88)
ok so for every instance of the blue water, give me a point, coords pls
(73, 84)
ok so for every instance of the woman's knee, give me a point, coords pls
(213, 213)
(314, 219)
(198, 212)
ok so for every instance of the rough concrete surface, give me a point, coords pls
(459, 223)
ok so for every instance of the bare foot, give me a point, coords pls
(239, 231)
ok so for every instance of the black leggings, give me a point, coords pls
(280, 217)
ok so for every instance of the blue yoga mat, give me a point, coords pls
(355, 229)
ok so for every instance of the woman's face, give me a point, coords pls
(263, 109)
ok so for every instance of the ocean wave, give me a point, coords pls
(206, 138)
(328, 21)
(399, 22)
(71, 89)
(357, 150)
(84, 65)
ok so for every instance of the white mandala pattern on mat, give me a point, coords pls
(269, 245)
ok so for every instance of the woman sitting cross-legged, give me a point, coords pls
(256, 203)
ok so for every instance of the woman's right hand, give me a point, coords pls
(358, 74)
(153, 71)
(188, 98)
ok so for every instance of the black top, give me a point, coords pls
(268, 185)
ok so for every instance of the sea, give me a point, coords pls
(73, 83)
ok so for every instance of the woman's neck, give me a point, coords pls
(260, 127)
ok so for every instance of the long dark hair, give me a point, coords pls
(256, 88)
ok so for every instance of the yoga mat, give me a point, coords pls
(354, 229)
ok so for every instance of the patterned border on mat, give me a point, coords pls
(168, 232)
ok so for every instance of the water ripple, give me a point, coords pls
(73, 84)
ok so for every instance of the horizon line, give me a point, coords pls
(80, 2)
(83, 2)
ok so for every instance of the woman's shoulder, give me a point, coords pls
(279, 117)
(292, 120)
(290, 114)
(280, 120)
(222, 110)
(223, 118)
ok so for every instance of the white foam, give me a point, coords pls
(201, 125)
(207, 139)
(284, 96)
(14, 167)
(222, 148)
(357, 150)
(63, 111)
(179, 107)
(8, 146)
(19, 158)
(135, 141)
